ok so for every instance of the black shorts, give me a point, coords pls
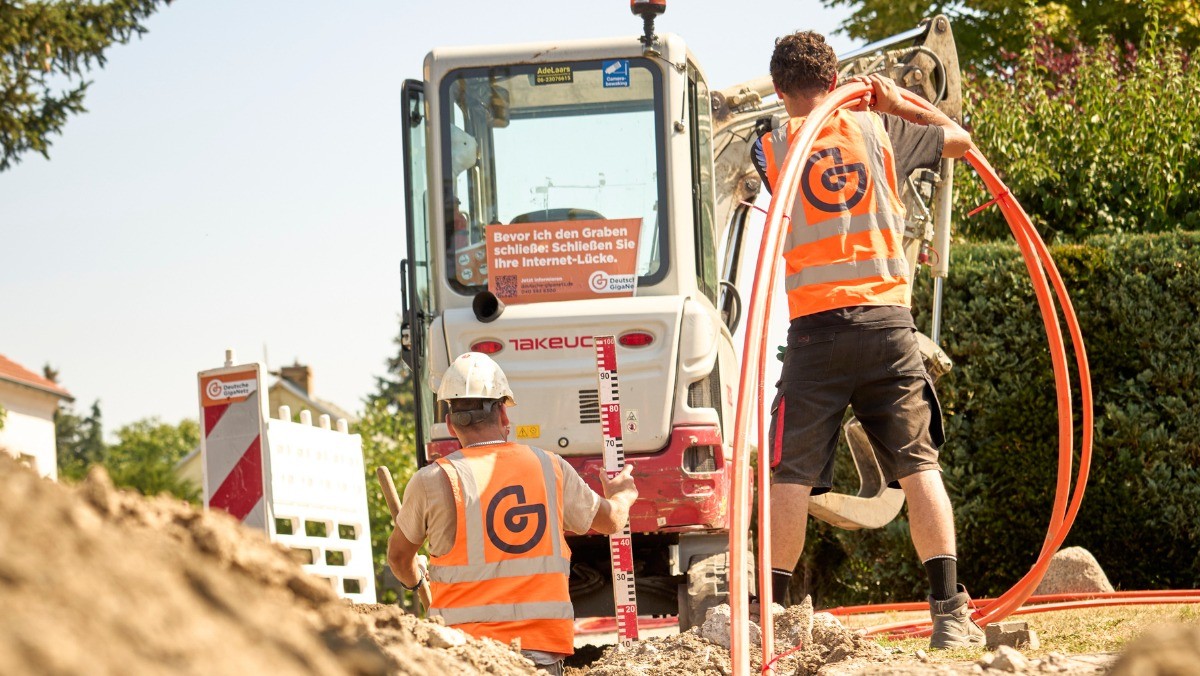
(877, 372)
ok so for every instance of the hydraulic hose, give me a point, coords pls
(1043, 274)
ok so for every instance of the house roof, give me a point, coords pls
(13, 372)
(318, 405)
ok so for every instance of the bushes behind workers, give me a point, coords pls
(1138, 301)
(1091, 140)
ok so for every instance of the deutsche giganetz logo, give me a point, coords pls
(516, 520)
(833, 181)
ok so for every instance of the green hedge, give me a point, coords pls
(1138, 301)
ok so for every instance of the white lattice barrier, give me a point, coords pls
(318, 494)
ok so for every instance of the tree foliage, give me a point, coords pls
(395, 387)
(145, 453)
(142, 458)
(79, 441)
(46, 49)
(389, 440)
(985, 29)
(1090, 140)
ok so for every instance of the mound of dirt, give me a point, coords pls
(100, 581)
(807, 642)
(683, 654)
(1164, 651)
(408, 641)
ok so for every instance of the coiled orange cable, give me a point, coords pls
(1044, 276)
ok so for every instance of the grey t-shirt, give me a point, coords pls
(916, 146)
(427, 512)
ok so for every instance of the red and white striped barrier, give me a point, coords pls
(232, 409)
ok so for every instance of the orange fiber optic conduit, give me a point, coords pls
(1122, 597)
(1044, 275)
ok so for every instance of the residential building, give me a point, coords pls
(29, 401)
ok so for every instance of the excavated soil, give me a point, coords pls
(820, 640)
(99, 581)
(94, 580)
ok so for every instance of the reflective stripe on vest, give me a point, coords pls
(837, 272)
(844, 244)
(507, 572)
(539, 565)
(508, 613)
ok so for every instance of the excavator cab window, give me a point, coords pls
(552, 142)
(700, 120)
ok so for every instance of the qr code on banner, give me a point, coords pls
(506, 286)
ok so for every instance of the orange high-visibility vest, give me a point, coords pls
(845, 242)
(506, 575)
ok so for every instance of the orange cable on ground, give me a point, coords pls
(910, 630)
(912, 606)
(1040, 266)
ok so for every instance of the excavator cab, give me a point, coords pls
(560, 191)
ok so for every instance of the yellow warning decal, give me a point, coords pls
(553, 75)
(529, 431)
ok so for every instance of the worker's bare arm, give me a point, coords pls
(620, 494)
(402, 558)
(885, 98)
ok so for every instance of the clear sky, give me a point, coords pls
(237, 183)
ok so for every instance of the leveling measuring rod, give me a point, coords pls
(620, 545)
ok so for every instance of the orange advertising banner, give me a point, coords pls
(227, 388)
(563, 260)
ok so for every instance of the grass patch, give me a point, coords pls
(1071, 632)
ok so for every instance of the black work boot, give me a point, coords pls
(952, 623)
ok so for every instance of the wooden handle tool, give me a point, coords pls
(393, 502)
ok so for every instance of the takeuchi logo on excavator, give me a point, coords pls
(551, 343)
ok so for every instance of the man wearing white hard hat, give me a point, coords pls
(495, 514)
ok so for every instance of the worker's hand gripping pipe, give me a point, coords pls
(1037, 261)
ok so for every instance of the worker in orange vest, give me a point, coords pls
(852, 340)
(494, 515)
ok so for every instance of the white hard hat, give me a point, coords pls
(475, 376)
(464, 150)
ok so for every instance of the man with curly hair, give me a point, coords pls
(852, 340)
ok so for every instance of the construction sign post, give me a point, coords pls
(232, 408)
(301, 484)
(563, 260)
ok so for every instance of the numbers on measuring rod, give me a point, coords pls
(620, 544)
